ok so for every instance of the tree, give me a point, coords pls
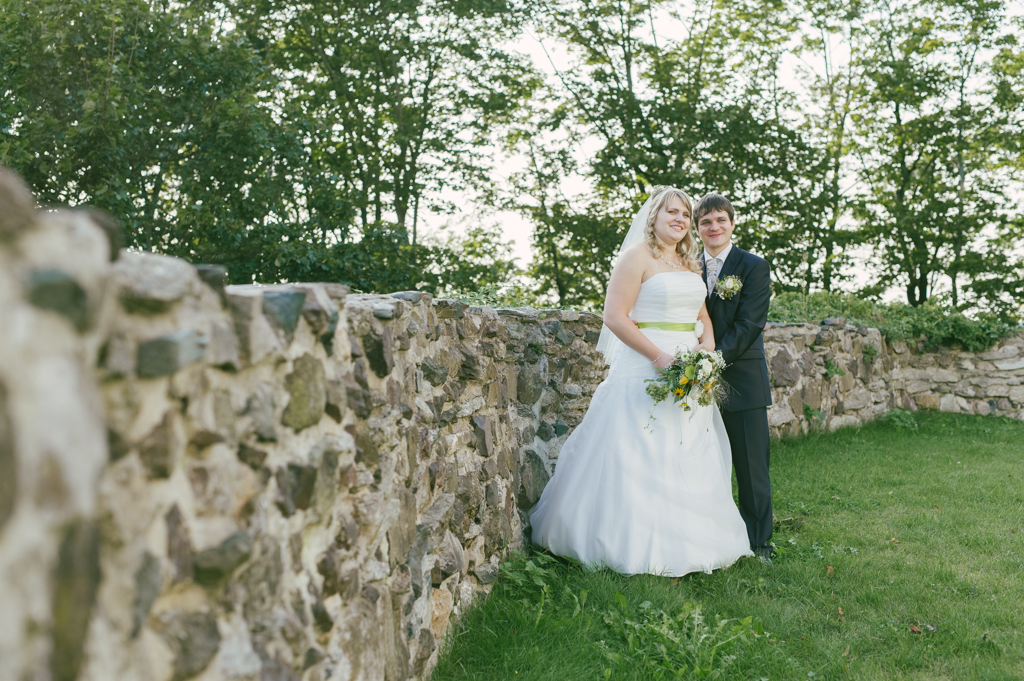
(152, 112)
(397, 99)
(700, 111)
(811, 245)
(928, 135)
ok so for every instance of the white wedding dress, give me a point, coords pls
(643, 495)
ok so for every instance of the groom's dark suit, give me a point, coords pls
(739, 323)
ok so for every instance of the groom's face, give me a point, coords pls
(715, 230)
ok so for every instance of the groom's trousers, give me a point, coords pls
(750, 442)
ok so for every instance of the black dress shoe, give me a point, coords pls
(764, 554)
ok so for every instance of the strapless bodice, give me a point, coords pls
(669, 297)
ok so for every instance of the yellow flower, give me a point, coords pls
(683, 380)
(679, 392)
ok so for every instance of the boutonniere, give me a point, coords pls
(729, 286)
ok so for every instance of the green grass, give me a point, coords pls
(897, 527)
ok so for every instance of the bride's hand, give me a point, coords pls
(710, 347)
(664, 361)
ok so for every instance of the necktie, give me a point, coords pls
(712, 275)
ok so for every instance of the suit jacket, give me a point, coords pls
(739, 325)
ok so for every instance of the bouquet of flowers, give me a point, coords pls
(695, 376)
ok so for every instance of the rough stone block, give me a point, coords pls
(159, 450)
(533, 476)
(260, 408)
(450, 309)
(949, 403)
(927, 400)
(282, 308)
(531, 379)
(223, 349)
(484, 433)
(844, 421)
(857, 399)
(179, 545)
(473, 366)
(307, 386)
(8, 460)
(1004, 352)
(915, 387)
(57, 291)
(214, 276)
(1016, 394)
(148, 584)
(151, 283)
(435, 372)
(295, 486)
(441, 601)
(17, 206)
(168, 354)
(256, 336)
(214, 564)
(413, 297)
(784, 370)
(75, 586)
(452, 559)
(403, 529)
(193, 638)
(780, 414)
(379, 353)
(1010, 364)
(487, 573)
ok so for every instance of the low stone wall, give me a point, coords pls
(293, 482)
(837, 375)
(241, 482)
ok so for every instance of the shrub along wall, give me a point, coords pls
(835, 374)
(285, 482)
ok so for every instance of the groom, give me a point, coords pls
(739, 317)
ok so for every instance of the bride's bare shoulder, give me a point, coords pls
(636, 254)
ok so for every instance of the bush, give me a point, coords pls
(899, 419)
(497, 296)
(941, 326)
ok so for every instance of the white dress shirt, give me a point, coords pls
(720, 259)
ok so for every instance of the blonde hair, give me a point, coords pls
(686, 248)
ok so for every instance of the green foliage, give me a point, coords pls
(637, 638)
(899, 419)
(813, 416)
(870, 353)
(939, 326)
(497, 296)
(833, 369)
(648, 642)
(287, 141)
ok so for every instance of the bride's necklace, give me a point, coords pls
(670, 264)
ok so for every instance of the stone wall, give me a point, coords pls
(836, 375)
(241, 482)
(293, 482)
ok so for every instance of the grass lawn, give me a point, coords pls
(901, 556)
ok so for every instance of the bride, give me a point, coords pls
(641, 488)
